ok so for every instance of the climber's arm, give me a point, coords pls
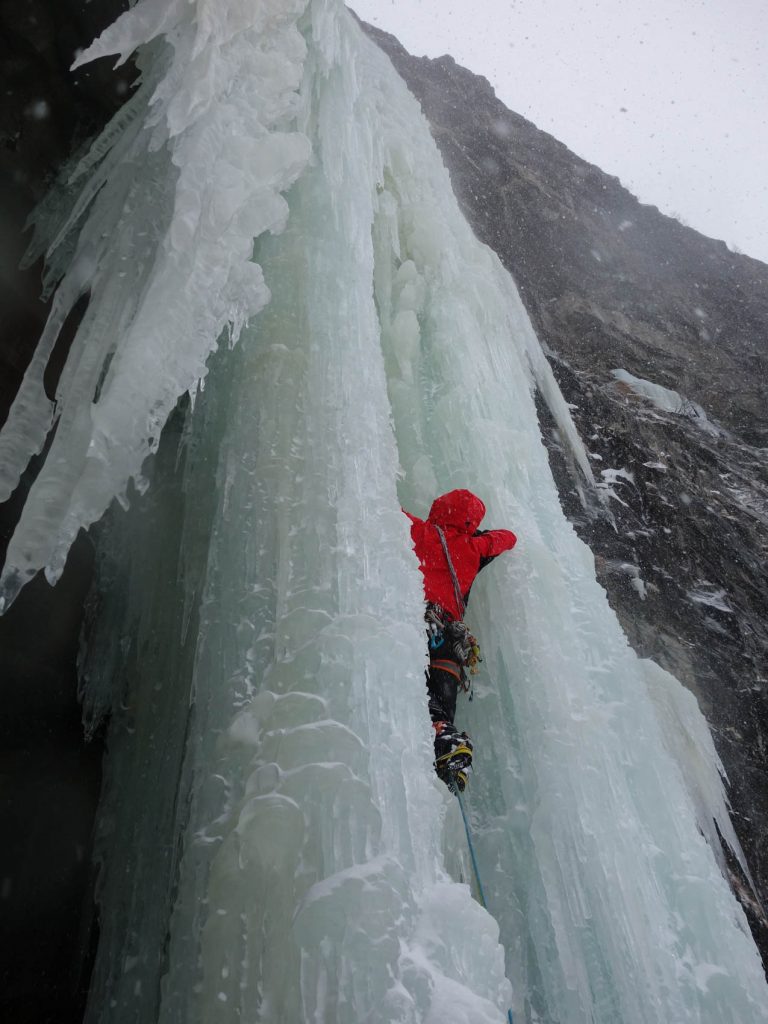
(490, 543)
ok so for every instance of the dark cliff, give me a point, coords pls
(50, 776)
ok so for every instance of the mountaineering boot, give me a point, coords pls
(453, 756)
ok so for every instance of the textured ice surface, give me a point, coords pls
(274, 846)
(667, 400)
(176, 190)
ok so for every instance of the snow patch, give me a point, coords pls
(629, 569)
(611, 477)
(710, 595)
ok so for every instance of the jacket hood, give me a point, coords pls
(462, 510)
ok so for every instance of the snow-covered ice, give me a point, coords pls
(667, 400)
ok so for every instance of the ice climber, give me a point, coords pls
(451, 552)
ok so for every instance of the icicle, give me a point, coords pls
(689, 740)
(192, 183)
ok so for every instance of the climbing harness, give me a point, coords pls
(444, 665)
(475, 868)
(444, 632)
(437, 619)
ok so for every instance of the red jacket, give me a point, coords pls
(458, 514)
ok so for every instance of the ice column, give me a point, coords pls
(277, 854)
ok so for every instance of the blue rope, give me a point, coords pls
(471, 846)
(473, 857)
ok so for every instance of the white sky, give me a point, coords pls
(669, 95)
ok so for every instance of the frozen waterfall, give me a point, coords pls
(273, 844)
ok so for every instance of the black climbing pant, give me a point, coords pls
(443, 680)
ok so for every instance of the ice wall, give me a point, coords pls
(273, 844)
(176, 189)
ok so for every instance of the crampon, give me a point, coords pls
(453, 767)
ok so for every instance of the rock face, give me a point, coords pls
(612, 284)
(50, 776)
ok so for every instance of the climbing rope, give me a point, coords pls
(471, 659)
(454, 578)
(471, 846)
(473, 858)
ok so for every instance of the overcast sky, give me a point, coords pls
(669, 95)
